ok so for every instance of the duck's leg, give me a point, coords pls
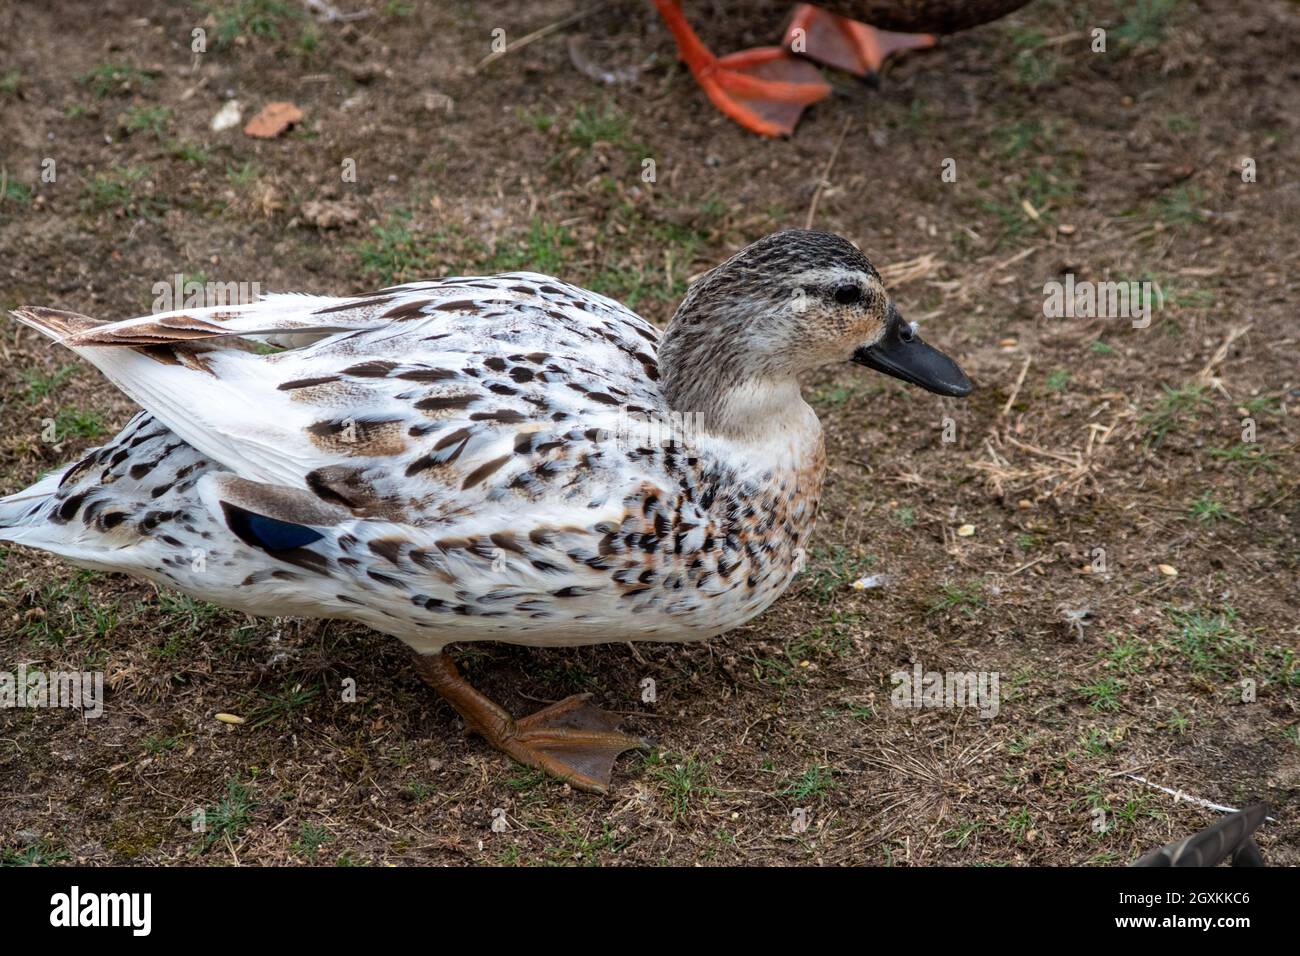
(764, 90)
(846, 44)
(570, 739)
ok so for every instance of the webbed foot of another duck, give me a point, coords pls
(572, 739)
(847, 44)
(764, 89)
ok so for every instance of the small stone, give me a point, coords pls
(439, 103)
(871, 581)
(229, 115)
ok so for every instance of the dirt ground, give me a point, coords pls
(1082, 434)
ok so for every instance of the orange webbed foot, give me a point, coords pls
(846, 44)
(765, 89)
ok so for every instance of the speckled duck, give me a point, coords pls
(485, 458)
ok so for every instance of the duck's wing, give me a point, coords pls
(417, 404)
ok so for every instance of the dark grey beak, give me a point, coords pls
(902, 354)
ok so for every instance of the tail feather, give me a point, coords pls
(17, 510)
(305, 316)
(55, 323)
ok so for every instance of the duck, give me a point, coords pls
(766, 89)
(486, 458)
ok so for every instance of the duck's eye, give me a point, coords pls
(907, 331)
(848, 294)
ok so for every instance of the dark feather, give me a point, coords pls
(268, 533)
(1229, 837)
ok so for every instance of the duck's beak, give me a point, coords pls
(902, 354)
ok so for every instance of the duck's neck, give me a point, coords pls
(755, 411)
(764, 425)
(732, 391)
(761, 435)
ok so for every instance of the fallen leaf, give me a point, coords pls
(273, 120)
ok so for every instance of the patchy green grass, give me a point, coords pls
(1175, 409)
(243, 175)
(115, 79)
(311, 837)
(1037, 63)
(1180, 206)
(147, 119)
(14, 191)
(1177, 723)
(162, 743)
(1125, 655)
(282, 707)
(267, 19)
(1210, 641)
(39, 853)
(1019, 824)
(1145, 22)
(684, 781)
(1102, 694)
(571, 843)
(1207, 510)
(815, 782)
(393, 253)
(41, 385)
(592, 126)
(966, 598)
(1248, 456)
(230, 817)
(184, 615)
(119, 190)
(904, 515)
(188, 152)
(834, 568)
(79, 423)
(398, 250)
(546, 248)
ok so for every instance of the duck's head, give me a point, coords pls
(789, 302)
